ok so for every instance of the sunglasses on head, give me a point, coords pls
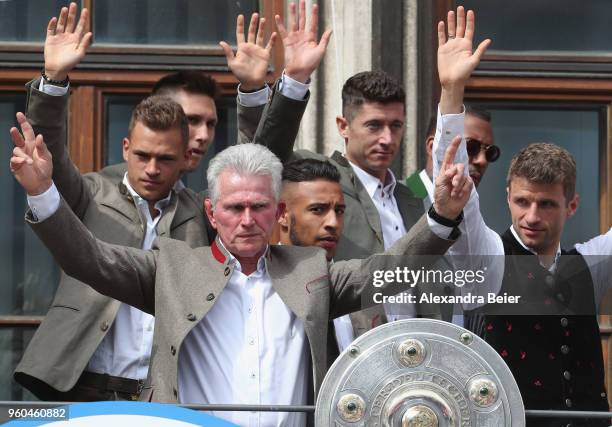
(474, 146)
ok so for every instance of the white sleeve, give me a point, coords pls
(52, 89)
(292, 88)
(45, 204)
(597, 253)
(478, 247)
(253, 99)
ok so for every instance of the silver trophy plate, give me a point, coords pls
(419, 372)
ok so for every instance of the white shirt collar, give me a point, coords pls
(371, 183)
(261, 262)
(160, 204)
(518, 239)
(429, 186)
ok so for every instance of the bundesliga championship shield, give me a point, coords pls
(419, 372)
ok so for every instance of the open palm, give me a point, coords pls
(302, 51)
(65, 44)
(250, 63)
(456, 61)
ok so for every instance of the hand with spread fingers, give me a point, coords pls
(65, 45)
(456, 60)
(250, 63)
(31, 161)
(452, 186)
(303, 53)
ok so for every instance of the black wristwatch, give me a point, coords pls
(453, 223)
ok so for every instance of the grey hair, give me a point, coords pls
(244, 159)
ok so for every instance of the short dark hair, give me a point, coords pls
(481, 113)
(310, 170)
(370, 86)
(545, 163)
(431, 126)
(194, 82)
(160, 113)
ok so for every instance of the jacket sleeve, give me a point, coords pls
(353, 281)
(120, 272)
(280, 123)
(248, 119)
(48, 116)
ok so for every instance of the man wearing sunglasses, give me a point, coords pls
(480, 147)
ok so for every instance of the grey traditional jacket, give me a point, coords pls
(80, 317)
(179, 285)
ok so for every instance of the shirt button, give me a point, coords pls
(252, 375)
(565, 349)
(251, 341)
(567, 375)
(210, 297)
(250, 310)
(568, 403)
(191, 317)
(172, 350)
(564, 322)
(104, 326)
(550, 281)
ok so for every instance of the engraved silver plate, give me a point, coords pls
(419, 372)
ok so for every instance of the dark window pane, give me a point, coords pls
(118, 112)
(29, 275)
(576, 130)
(544, 25)
(26, 20)
(163, 22)
(119, 109)
(13, 342)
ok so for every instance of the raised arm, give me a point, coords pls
(47, 103)
(126, 274)
(352, 281)
(250, 66)
(456, 61)
(280, 123)
(478, 247)
(281, 119)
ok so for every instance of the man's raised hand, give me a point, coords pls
(65, 45)
(250, 63)
(456, 61)
(452, 186)
(302, 52)
(31, 161)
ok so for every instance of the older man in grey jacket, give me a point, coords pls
(240, 321)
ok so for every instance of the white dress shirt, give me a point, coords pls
(478, 242)
(249, 349)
